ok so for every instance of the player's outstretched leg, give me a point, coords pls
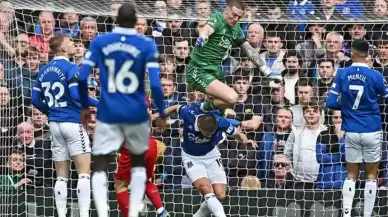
(82, 164)
(224, 96)
(100, 184)
(204, 186)
(122, 196)
(154, 196)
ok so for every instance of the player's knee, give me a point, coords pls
(205, 189)
(231, 99)
(121, 186)
(220, 195)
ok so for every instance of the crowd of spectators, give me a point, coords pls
(300, 143)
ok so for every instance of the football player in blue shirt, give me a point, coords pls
(55, 93)
(202, 132)
(356, 91)
(123, 56)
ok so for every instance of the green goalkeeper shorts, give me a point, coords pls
(199, 77)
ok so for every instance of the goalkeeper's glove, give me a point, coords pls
(201, 40)
(275, 77)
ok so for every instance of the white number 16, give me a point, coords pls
(360, 91)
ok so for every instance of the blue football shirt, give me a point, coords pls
(359, 88)
(123, 57)
(52, 87)
(194, 143)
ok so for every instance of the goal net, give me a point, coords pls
(293, 37)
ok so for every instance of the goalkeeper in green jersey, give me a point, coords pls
(216, 38)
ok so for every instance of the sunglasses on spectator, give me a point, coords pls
(278, 164)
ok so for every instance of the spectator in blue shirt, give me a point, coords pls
(273, 142)
(351, 9)
(300, 10)
(330, 151)
(69, 25)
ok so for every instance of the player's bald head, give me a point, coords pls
(126, 16)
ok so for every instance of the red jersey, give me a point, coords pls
(124, 166)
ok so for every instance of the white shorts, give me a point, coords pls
(110, 137)
(208, 166)
(363, 147)
(68, 140)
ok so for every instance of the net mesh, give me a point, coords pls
(294, 38)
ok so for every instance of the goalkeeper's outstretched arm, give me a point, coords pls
(254, 56)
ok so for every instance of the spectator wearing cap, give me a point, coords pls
(273, 141)
(93, 88)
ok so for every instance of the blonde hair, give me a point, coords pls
(161, 148)
(250, 183)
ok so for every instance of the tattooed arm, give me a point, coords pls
(253, 55)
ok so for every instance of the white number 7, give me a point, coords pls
(360, 91)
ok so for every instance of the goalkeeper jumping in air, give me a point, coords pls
(215, 40)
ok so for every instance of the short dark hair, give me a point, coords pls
(180, 39)
(273, 34)
(56, 42)
(126, 16)
(304, 82)
(207, 122)
(361, 47)
(236, 3)
(293, 53)
(326, 60)
(313, 103)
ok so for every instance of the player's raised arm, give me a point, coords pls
(254, 56)
(73, 87)
(205, 32)
(332, 96)
(154, 77)
(89, 62)
(38, 97)
(231, 130)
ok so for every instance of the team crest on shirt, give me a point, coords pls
(190, 164)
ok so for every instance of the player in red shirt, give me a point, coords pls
(123, 178)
